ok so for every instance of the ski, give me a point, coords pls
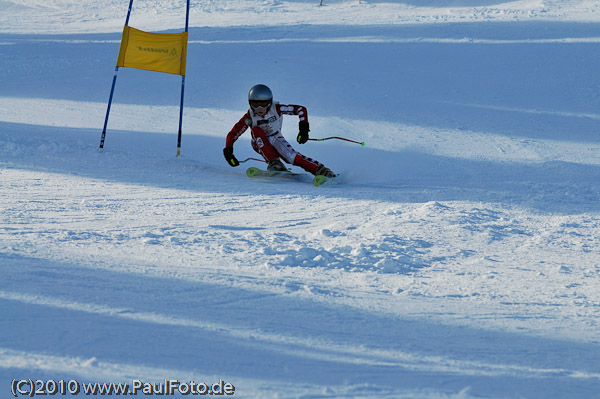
(320, 180)
(256, 172)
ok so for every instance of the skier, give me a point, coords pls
(265, 118)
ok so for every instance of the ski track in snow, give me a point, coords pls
(458, 258)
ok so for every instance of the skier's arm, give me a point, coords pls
(238, 129)
(303, 126)
(292, 109)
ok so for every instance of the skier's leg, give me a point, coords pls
(292, 156)
(312, 166)
(308, 164)
(262, 145)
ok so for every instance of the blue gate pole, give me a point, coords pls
(187, 18)
(112, 89)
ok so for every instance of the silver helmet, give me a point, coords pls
(260, 96)
(260, 93)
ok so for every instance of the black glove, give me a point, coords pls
(303, 134)
(231, 159)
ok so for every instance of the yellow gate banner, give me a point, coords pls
(160, 52)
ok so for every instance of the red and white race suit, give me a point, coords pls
(267, 139)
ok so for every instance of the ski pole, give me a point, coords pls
(340, 138)
(252, 159)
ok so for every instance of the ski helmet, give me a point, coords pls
(260, 95)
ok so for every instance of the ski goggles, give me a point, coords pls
(260, 104)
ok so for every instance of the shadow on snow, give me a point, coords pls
(407, 176)
(525, 79)
(207, 329)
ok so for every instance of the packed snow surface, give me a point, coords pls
(458, 257)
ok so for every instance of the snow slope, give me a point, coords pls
(458, 258)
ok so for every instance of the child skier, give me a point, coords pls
(265, 118)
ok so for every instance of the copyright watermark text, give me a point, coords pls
(31, 388)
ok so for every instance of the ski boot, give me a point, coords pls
(275, 165)
(323, 171)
